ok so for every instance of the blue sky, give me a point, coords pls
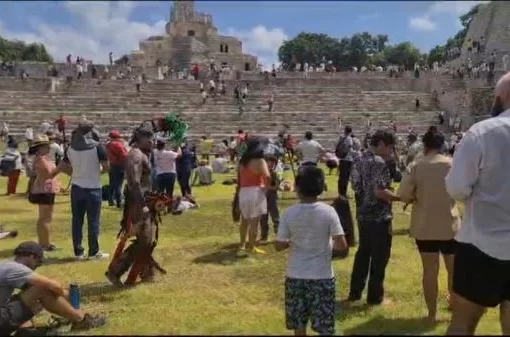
(93, 29)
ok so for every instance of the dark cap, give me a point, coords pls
(30, 247)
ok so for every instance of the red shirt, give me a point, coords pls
(116, 152)
(61, 123)
(241, 137)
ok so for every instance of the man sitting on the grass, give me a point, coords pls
(37, 292)
(203, 174)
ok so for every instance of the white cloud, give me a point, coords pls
(422, 23)
(454, 9)
(100, 27)
(103, 26)
(261, 41)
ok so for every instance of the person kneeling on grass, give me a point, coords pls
(37, 292)
(312, 230)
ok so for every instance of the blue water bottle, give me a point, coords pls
(74, 295)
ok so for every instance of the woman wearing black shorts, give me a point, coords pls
(434, 218)
(44, 188)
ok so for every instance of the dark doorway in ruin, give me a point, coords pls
(191, 33)
(221, 48)
(225, 49)
(247, 67)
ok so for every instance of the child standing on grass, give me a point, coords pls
(311, 229)
(272, 201)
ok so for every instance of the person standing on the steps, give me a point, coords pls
(371, 180)
(344, 152)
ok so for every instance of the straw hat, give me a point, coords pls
(40, 140)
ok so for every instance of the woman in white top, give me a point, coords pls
(164, 164)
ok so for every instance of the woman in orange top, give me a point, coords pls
(253, 176)
(44, 189)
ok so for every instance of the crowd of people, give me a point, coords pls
(431, 181)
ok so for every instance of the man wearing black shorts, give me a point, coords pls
(37, 292)
(479, 177)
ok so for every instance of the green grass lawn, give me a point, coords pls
(208, 290)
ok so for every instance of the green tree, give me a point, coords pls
(20, 51)
(404, 53)
(308, 47)
(361, 49)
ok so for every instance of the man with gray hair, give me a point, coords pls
(479, 178)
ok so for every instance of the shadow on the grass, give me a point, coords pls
(343, 313)
(6, 253)
(380, 325)
(401, 231)
(99, 291)
(227, 255)
(60, 260)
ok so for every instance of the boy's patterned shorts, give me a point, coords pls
(310, 300)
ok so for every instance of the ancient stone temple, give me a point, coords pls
(491, 27)
(191, 37)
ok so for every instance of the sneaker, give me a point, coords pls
(80, 257)
(99, 256)
(11, 234)
(89, 322)
(262, 242)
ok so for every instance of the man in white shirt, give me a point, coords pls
(212, 87)
(479, 177)
(29, 135)
(86, 158)
(309, 150)
(220, 164)
(56, 150)
(79, 70)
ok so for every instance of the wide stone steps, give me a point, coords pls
(355, 83)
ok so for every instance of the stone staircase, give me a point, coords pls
(317, 108)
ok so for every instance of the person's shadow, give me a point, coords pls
(227, 255)
(380, 325)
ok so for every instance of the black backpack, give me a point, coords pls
(342, 150)
(8, 164)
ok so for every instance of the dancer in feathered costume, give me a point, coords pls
(142, 207)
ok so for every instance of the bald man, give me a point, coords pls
(479, 178)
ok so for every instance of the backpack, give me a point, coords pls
(342, 150)
(8, 164)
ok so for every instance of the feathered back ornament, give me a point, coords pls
(174, 127)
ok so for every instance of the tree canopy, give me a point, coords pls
(361, 49)
(14, 50)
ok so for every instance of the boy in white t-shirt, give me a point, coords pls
(311, 229)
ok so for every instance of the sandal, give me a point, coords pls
(50, 248)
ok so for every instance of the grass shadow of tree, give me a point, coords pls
(99, 291)
(400, 231)
(380, 325)
(227, 255)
